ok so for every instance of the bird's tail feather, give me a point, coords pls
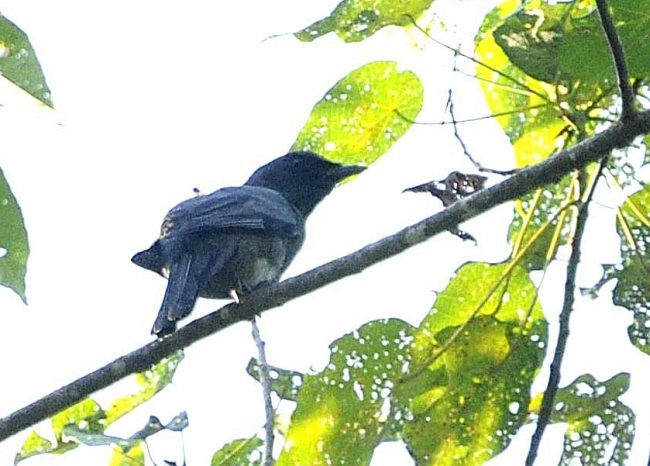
(180, 296)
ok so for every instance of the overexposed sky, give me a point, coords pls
(155, 98)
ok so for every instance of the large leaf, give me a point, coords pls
(517, 55)
(565, 41)
(347, 409)
(357, 120)
(18, 62)
(14, 248)
(491, 328)
(356, 20)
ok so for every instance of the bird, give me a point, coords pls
(236, 239)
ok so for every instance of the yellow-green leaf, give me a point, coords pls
(363, 114)
(356, 20)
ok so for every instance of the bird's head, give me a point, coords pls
(303, 178)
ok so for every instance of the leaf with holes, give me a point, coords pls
(493, 332)
(359, 119)
(285, 383)
(346, 410)
(600, 429)
(356, 20)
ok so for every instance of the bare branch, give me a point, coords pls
(524, 181)
(266, 393)
(565, 315)
(618, 54)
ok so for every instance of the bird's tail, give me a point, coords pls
(181, 294)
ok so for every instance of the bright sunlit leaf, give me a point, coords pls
(356, 20)
(493, 332)
(240, 452)
(86, 421)
(363, 115)
(347, 409)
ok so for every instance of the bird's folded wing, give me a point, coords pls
(242, 208)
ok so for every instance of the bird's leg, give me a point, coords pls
(233, 294)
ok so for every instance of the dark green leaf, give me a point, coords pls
(14, 248)
(565, 41)
(356, 20)
(240, 452)
(357, 120)
(346, 410)
(18, 62)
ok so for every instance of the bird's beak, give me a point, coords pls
(344, 171)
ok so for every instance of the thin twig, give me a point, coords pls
(468, 120)
(266, 393)
(565, 315)
(618, 54)
(450, 108)
(524, 181)
(477, 61)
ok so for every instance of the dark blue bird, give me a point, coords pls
(228, 243)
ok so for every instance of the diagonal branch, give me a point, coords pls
(524, 181)
(620, 63)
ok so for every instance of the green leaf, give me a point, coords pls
(356, 20)
(150, 382)
(33, 445)
(18, 62)
(565, 41)
(492, 327)
(600, 429)
(133, 457)
(346, 410)
(632, 290)
(86, 414)
(539, 213)
(357, 120)
(240, 452)
(86, 421)
(14, 248)
(285, 383)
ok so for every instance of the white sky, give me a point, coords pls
(155, 98)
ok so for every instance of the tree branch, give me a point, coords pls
(563, 337)
(620, 63)
(525, 180)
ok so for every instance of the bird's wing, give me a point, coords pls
(242, 208)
